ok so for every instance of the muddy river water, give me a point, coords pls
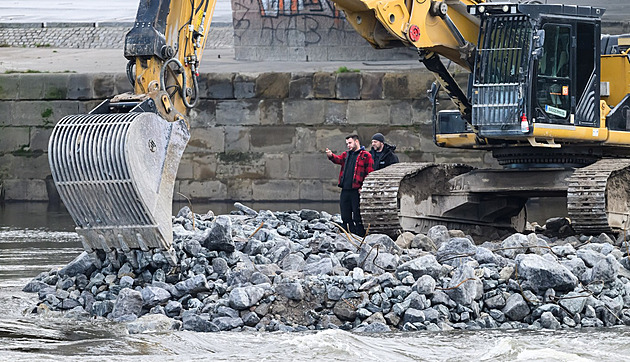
(35, 239)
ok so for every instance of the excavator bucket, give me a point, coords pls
(115, 173)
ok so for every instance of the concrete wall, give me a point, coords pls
(255, 137)
(317, 31)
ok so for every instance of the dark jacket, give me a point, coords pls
(384, 158)
(362, 167)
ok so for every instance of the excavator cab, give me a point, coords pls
(536, 64)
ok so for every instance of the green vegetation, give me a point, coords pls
(25, 151)
(345, 69)
(4, 45)
(239, 157)
(47, 112)
(12, 71)
(39, 45)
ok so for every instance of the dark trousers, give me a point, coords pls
(350, 214)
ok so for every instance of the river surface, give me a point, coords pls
(35, 239)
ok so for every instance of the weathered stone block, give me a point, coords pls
(348, 85)
(196, 190)
(270, 111)
(244, 86)
(400, 113)
(204, 114)
(330, 190)
(25, 190)
(336, 112)
(80, 86)
(42, 113)
(31, 86)
(241, 112)
(268, 190)
(408, 139)
(56, 86)
(239, 164)
(276, 165)
(396, 86)
(104, 85)
(300, 111)
(14, 139)
(421, 111)
(206, 140)
(372, 85)
(273, 85)
(6, 113)
(9, 86)
(121, 83)
(28, 165)
(324, 85)
(39, 138)
(368, 112)
(216, 85)
(419, 83)
(311, 190)
(310, 166)
(334, 139)
(273, 139)
(305, 140)
(236, 139)
(204, 167)
(239, 189)
(301, 86)
(185, 169)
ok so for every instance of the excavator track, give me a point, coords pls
(598, 199)
(381, 206)
(379, 196)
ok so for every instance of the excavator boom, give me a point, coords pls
(115, 167)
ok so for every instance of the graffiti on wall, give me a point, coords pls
(288, 22)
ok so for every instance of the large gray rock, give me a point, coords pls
(539, 274)
(515, 307)
(321, 267)
(576, 266)
(606, 269)
(227, 323)
(292, 291)
(413, 316)
(193, 285)
(376, 261)
(129, 301)
(376, 327)
(456, 250)
(574, 302)
(439, 235)
(82, 264)
(384, 243)
(218, 237)
(548, 321)
(495, 302)
(424, 285)
(465, 287)
(590, 257)
(309, 215)
(153, 296)
(423, 242)
(198, 323)
(424, 265)
(244, 297)
(513, 245)
(294, 262)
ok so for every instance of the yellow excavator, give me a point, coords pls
(547, 94)
(115, 167)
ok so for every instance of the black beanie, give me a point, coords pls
(379, 137)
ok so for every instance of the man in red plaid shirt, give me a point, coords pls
(355, 163)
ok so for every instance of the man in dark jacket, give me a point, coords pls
(382, 153)
(355, 163)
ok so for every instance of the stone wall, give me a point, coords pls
(255, 137)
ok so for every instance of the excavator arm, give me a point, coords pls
(434, 28)
(115, 167)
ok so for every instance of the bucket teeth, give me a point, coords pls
(116, 173)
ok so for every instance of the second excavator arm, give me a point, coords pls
(434, 28)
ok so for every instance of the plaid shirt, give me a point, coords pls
(363, 166)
